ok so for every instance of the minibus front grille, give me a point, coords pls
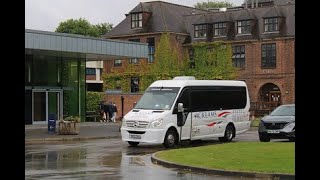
(137, 124)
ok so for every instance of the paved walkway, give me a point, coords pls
(88, 130)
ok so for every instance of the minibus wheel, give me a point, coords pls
(133, 144)
(170, 139)
(228, 134)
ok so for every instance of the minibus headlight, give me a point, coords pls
(156, 123)
(123, 122)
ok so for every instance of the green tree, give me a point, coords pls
(103, 28)
(83, 27)
(212, 4)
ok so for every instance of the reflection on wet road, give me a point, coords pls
(103, 159)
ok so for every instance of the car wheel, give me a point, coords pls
(170, 139)
(133, 144)
(228, 134)
(264, 138)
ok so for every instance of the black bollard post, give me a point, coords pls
(122, 99)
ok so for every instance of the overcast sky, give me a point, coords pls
(47, 14)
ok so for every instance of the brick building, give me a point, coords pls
(262, 35)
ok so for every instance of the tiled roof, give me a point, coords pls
(256, 14)
(164, 17)
(181, 19)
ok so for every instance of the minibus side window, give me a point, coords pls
(183, 98)
(218, 98)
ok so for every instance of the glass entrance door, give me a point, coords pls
(54, 105)
(39, 107)
(45, 104)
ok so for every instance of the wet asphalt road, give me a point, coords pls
(108, 159)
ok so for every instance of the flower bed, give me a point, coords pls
(69, 126)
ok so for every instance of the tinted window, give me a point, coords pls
(218, 98)
(284, 111)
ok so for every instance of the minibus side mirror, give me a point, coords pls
(180, 107)
(180, 116)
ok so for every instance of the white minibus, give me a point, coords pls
(183, 108)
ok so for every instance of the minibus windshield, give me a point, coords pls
(158, 98)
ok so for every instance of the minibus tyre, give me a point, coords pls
(133, 144)
(227, 136)
(170, 139)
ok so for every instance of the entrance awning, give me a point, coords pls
(77, 45)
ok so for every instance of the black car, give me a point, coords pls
(280, 124)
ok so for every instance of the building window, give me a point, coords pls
(133, 61)
(134, 85)
(151, 49)
(136, 20)
(117, 63)
(192, 64)
(200, 31)
(268, 55)
(91, 71)
(271, 24)
(118, 84)
(220, 29)
(239, 56)
(244, 27)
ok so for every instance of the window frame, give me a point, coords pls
(133, 61)
(136, 20)
(271, 22)
(268, 57)
(200, 32)
(238, 60)
(246, 27)
(115, 64)
(91, 72)
(221, 27)
(134, 88)
(151, 49)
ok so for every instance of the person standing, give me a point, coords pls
(102, 111)
(107, 111)
(110, 111)
(115, 110)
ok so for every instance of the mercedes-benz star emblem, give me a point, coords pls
(136, 124)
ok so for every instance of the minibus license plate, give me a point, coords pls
(135, 136)
(273, 131)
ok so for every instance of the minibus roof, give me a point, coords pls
(183, 83)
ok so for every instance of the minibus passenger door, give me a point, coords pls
(182, 109)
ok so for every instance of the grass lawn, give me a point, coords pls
(271, 157)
